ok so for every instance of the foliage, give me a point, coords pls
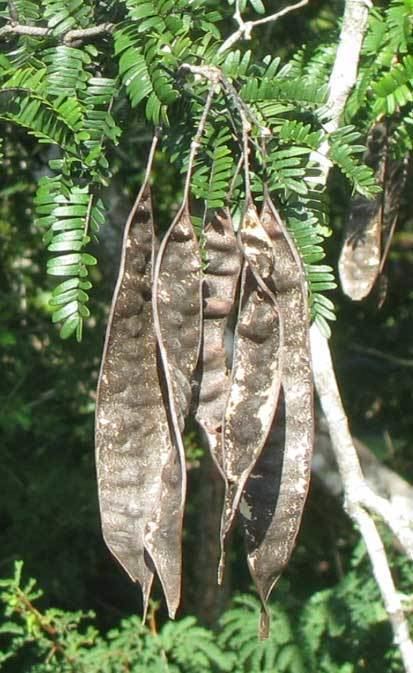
(48, 511)
(337, 630)
(69, 96)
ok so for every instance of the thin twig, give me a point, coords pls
(196, 142)
(245, 28)
(13, 11)
(13, 28)
(215, 75)
(234, 179)
(86, 33)
(374, 352)
(246, 129)
(88, 214)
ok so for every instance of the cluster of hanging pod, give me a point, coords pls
(166, 357)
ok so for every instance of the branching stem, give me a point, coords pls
(360, 501)
(13, 28)
(245, 28)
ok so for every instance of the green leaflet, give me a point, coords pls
(66, 211)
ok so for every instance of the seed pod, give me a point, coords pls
(132, 434)
(219, 289)
(256, 372)
(371, 223)
(394, 182)
(257, 247)
(177, 306)
(360, 256)
(274, 496)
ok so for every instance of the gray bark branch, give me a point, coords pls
(13, 28)
(360, 500)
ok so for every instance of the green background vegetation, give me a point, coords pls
(327, 614)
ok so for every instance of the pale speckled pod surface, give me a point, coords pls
(256, 372)
(273, 499)
(132, 434)
(177, 303)
(361, 252)
(219, 290)
(370, 222)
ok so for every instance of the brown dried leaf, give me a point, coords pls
(132, 434)
(219, 289)
(274, 496)
(177, 305)
(256, 372)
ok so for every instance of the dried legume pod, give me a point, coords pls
(256, 371)
(177, 306)
(273, 499)
(394, 183)
(359, 262)
(257, 247)
(219, 290)
(132, 433)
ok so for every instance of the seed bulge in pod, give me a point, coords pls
(132, 432)
(274, 496)
(219, 290)
(177, 305)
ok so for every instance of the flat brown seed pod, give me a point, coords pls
(255, 383)
(273, 499)
(219, 290)
(359, 263)
(256, 246)
(394, 183)
(360, 256)
(177, 305)
(132, 434)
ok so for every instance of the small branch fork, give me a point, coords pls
(216, 78)
(245, 28)
(15, 28)
(360, 501)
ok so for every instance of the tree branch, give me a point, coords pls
(359, 498)
(13, 28)
(343, 76)
(385, 483)
(245, 28)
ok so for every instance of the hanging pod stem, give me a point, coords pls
(177, 310)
